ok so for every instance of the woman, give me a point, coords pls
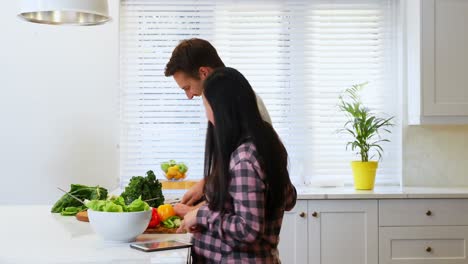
(247, 185)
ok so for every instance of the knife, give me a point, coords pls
(73, 196)
(167, 201)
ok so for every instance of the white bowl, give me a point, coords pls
(119, 227)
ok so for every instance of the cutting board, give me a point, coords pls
(83, 216)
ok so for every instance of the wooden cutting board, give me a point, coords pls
(83, 216)
(160, 230)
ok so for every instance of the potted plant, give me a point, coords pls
(365, 128)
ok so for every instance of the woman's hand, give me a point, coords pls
(189, 223)
(194, 194)
(182, 209)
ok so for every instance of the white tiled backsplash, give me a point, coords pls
(435, 156)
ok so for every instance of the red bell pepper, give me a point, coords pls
(154, 219)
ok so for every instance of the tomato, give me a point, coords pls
(165, 211)
(154, 219)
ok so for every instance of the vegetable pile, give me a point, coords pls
(67, 205)
(174, 170)
(95, 198)
(141, 194)
(164, 215)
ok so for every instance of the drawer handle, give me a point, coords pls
(428, 249)
(314, 214)
(302, 214)
(428, 213)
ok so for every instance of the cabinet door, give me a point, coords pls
(293, 236)
(424, 245)
(444, 57)
(343, 231)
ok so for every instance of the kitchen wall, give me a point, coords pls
(435, 156)
(58, 107)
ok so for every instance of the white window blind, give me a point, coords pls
(298, 56)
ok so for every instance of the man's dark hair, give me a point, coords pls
(190, 55)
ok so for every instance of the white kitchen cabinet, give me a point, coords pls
(424, 245)
(293, 235)
(437, 60)
(343, 231)
(423, 212)
(423, 231)
(330, 232)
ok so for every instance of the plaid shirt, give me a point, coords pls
(243, 234)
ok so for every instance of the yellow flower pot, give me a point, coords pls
(364, 174)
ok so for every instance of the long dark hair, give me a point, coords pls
(237, 118)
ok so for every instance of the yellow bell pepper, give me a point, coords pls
(165, 211)
(172, 172)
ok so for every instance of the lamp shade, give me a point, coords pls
(65, 12)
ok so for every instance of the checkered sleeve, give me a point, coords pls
(246, 222)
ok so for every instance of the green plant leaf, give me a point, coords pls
(362, 124)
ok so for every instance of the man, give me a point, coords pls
(192, 61)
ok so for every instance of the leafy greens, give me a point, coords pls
(116, 204)
(67, 205)
(148, 188)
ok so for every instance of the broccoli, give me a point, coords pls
(149, 188)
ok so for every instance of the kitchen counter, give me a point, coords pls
(379, 192)
(31, 234)
(305, 192)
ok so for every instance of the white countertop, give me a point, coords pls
(31, 234)
(379, 192)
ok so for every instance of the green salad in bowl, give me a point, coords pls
(117, 204)
(115, 221)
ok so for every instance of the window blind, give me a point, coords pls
(297, 55)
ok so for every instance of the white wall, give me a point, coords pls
(58, 107)
(435, 156)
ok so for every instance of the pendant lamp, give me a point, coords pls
(65, 12)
